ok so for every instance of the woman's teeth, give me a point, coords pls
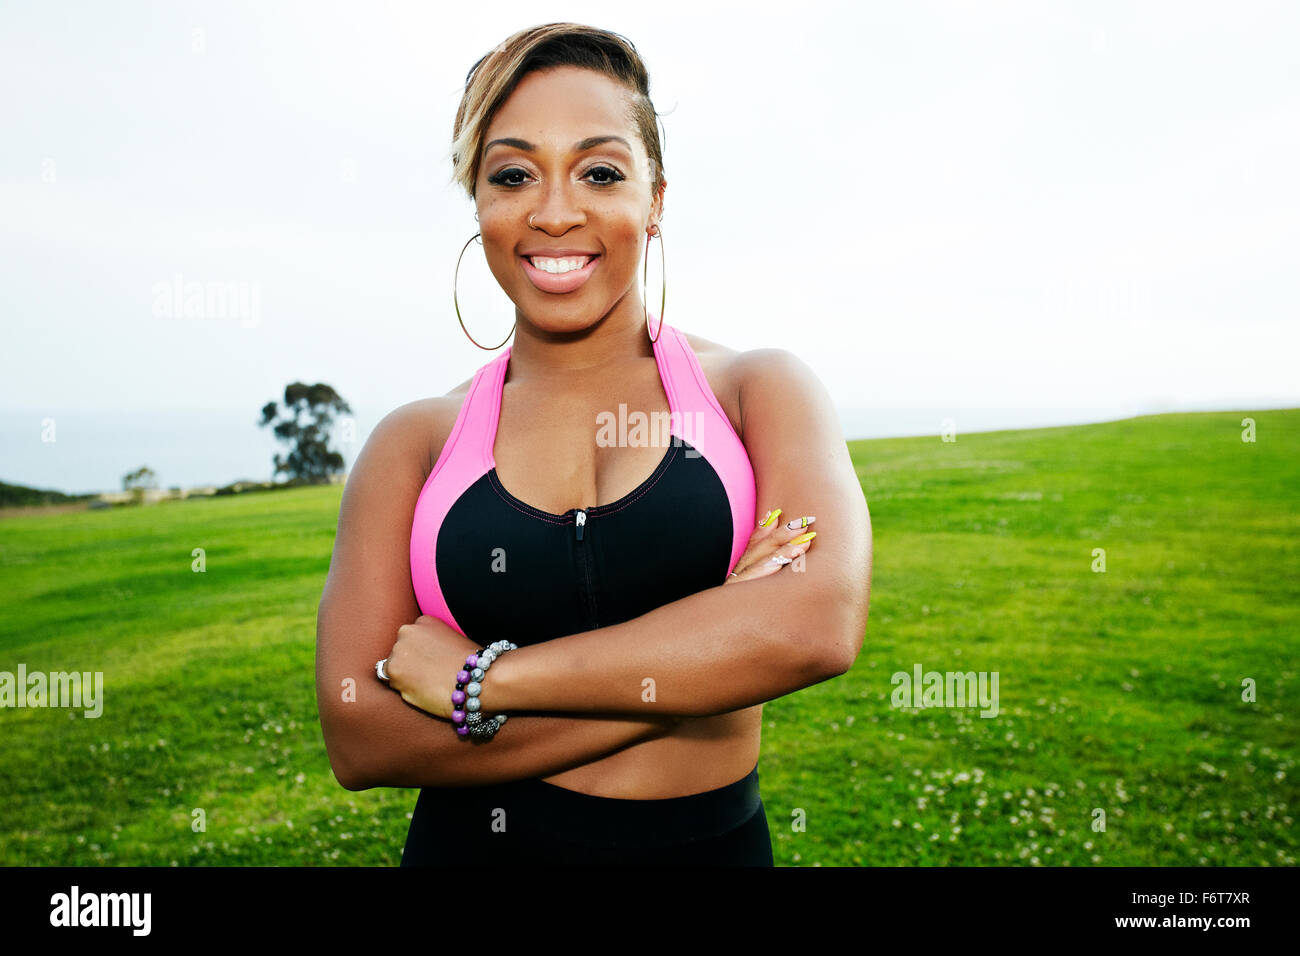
(559, 266)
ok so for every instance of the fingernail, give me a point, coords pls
(803, 522)
(808, 536)
(769, 519)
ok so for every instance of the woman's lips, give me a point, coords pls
(559, 282)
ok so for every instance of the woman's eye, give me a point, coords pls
(499, 179)
(615, 175)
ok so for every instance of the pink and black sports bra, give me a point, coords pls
(494, 567)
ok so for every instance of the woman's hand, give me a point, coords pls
(423, 664)
(779, 540)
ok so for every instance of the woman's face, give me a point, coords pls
(591, 204)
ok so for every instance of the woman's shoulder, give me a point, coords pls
(715, 356)
(425, 423)
(759, 359)
(731, 373)
(702, 346)
(723, 368)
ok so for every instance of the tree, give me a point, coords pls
(310, 461)
(137, 481)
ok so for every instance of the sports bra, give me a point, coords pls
(494, 567)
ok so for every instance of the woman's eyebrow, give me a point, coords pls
(580, 146)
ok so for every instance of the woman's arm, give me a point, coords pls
(727, 648)
(372, 736)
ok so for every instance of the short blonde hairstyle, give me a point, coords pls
(493, 78)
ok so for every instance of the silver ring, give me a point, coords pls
(379, 670)
(732, 574)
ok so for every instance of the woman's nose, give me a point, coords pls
(558, 210)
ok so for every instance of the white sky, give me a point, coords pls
(952, 206)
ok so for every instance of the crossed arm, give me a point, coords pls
(585, 695)
(712, 652)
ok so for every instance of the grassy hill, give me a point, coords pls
(1120, 691)
(20, 496)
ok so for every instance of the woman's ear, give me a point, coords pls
(657, 208)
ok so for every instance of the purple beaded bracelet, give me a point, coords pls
(465, 716)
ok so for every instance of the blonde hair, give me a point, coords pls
(493, 78)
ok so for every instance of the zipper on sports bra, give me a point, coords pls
(588, 591)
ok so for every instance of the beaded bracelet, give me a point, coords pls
(467, 719)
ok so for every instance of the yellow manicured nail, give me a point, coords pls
(770, 518)
(806, 536)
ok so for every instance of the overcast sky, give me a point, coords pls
(948, 206)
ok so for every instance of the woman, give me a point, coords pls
(653, 597)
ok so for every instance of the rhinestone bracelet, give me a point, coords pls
(465, 716)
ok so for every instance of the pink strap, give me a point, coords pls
(459, 465)
(700, 420)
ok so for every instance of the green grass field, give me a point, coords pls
(1120, 692)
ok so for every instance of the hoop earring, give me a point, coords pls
(644, 273)
(455, 280)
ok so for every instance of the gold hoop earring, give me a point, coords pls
(454, 301)
(644, 273)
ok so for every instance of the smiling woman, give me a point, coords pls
(575, 638)
(561, 214)
(550, 268)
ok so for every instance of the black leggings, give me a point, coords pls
(532, 822)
